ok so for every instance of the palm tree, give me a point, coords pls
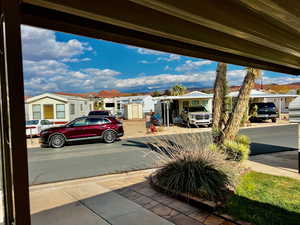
(234, 121)
(178, 89)
(227, 126)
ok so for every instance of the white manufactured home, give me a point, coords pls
(57, 108)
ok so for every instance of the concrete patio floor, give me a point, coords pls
(128, 199)
(121, 199)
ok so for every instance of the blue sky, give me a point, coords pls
(55, 61)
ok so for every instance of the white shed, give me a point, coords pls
(133, 111)
(147, 102)
(57, 108)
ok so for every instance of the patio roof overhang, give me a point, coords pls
(257, 33)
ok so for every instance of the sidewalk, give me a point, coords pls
(121, 199)
(279, 164)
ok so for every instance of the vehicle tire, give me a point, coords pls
(273, 120)
(57, 141)
(109, 136)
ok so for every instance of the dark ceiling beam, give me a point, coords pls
(153, 22)
(60, 21)
(253, 31)
(279, 10)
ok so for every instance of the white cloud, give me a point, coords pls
(41, 44)
(105, 73)
(144, 62)
(169, 58)
(167, 68)
(163, 79)
(44, 68)
(190, 65)
(75, 60)
(145, 51)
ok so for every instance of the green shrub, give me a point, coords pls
(213, 147)
(236, 151)
(243, 139)
(203, 173)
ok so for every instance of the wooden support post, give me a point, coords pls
(298, 135)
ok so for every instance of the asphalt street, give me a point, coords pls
(91, 159)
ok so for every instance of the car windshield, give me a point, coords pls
(32, 122)
(197, 109)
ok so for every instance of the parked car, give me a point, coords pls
(105, 128)
(100, 113)
(34, 127)
(196, 116)
(263, 111)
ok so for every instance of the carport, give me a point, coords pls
(258, 33)
(261, 96)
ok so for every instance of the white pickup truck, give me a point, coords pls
(197, 116)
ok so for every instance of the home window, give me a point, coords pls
(72, 109)
(60, 111)
(81, 107)
(109, 105)
(36, 112)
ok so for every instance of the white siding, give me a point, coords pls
(81, 108)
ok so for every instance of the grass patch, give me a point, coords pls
(264, 199)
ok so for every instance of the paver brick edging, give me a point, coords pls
(209, 206)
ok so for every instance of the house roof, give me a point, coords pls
(134, 97)
(59, 97)
(261, 94)
(110, 94)
(191, 95)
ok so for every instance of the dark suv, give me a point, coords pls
(107, 129)
(263, 111)
(100, 113)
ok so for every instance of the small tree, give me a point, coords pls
(298, 91)
(178, 89)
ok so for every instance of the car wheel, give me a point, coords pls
(109, 136)
(274, 120)
(57, 141)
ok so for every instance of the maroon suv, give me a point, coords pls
(83, 128)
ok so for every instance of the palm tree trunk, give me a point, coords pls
(219, 93)
(232, 127)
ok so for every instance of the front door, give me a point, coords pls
(48, 112)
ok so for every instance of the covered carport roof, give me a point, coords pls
(257, 33)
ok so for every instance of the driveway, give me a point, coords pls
(91, 159)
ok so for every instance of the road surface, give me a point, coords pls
(90, 159)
